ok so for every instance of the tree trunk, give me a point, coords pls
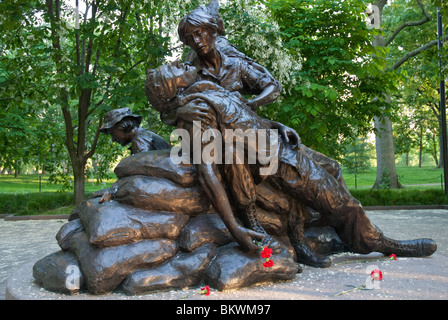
(79, 182)
(441, 157)
(386, 172)
(434, 151)
(420, 154)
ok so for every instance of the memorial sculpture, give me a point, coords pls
(168, 224)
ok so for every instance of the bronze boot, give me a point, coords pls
(309, 257)
(407, 248)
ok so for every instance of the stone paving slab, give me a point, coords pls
(24, 242)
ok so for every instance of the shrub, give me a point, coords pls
(33, 203)
(400, 197)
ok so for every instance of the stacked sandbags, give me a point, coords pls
(110, 241)
(159, 232)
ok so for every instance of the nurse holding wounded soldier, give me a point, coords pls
(209, 88)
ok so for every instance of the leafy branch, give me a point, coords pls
(410, 23)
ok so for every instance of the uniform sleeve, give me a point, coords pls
(256, 78)
(146, 141)
(141, 144)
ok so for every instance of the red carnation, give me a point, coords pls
(393, 257)
(205, 290)
(266, 253)
(376, 275)
(268, 264)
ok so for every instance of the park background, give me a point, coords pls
(361, 91)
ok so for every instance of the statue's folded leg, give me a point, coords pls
(321, 191)
(243, 191)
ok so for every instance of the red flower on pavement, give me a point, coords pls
(393, 257)
(205, 290)
(376, 275)
(266, 253)
(268, 263)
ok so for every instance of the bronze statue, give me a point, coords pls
(298, 174)
(168, 225)
(124, 127)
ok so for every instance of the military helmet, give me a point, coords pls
(114, 116)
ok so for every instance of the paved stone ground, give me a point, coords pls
(24, 242)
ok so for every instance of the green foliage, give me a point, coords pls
(33, 203)
(416, 116)
(357, 155)
(252, 28)
(64, 77)
(340, 72)
(384, 180)
(400, 197)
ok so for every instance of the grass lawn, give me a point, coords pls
(424, 177)
(21, 196)
(26, 183)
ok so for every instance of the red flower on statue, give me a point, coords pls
(266, 253)
(376, 275)
(205, 290)
(268, 263)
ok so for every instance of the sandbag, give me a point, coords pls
(105, 268)
(234, 269)
(59, 272)
(184, 270)
(113, 223)
(208, 228)
(159, 194)
(67, 231)
(157, 163)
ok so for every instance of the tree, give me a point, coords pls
(357, 155)
(418, 123)
(24, 137)
(87, 68)
(333, 100)
(421, 82)
(384, 134)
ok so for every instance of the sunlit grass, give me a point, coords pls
(39, 183)
(424, 177)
